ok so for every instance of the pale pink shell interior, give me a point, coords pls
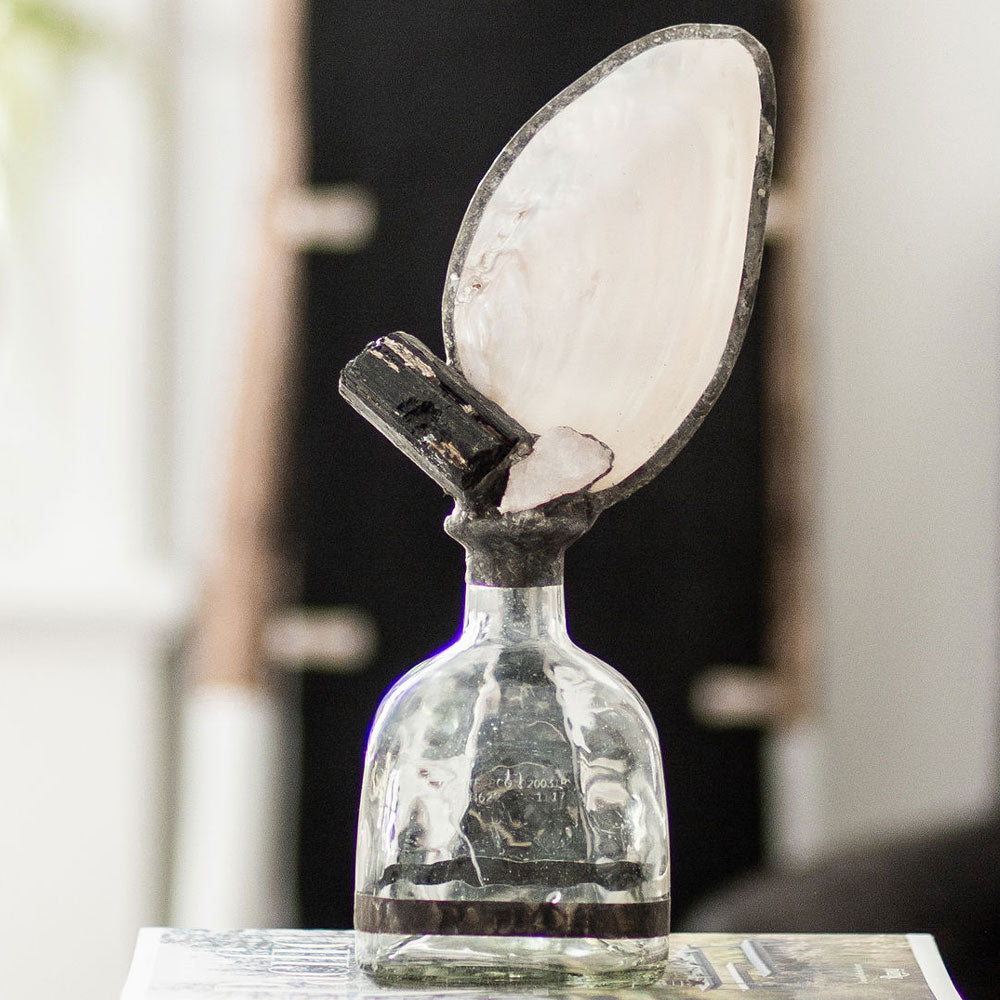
(599, 288)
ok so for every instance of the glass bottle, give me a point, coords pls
(513, 823)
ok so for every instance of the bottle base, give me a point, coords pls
(440, 959)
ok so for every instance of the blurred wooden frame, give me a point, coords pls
(781, 691)
(245, 581)
(242, 627)
(790, 651)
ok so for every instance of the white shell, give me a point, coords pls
(598, 286)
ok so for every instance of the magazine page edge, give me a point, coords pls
(140, 972)
(925, 951)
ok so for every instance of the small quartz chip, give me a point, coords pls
(562, 461)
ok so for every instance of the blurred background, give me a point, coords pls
(211, 568)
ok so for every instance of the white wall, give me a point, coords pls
(115, 387)
(81, 841)
(904, 326)
(222, 154)
(87, 599)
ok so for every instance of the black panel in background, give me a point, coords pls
(414, 100)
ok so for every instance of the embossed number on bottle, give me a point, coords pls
(539, 782)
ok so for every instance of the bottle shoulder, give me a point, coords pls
(455, 678)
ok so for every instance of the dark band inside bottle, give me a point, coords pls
(382, 915)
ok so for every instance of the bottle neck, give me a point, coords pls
(514, 613)
(523, 550)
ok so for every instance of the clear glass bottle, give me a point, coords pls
(513, 824)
